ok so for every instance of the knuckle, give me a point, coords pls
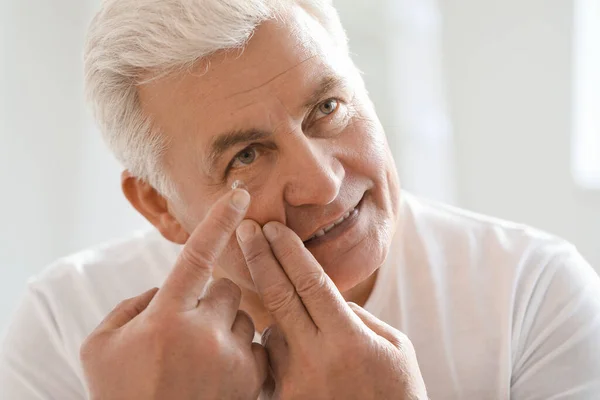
(216, 345)
(287, 251)
(226, 288)
(93, 346)
(310, 283)
(224, 223)
(354, 336)
(124, 304)
(401, 342)
(198, 261)
(159, 328)
(255, 255)
(278, 298)
(87, 348)
(159, 340)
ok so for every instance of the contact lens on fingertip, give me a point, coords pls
(239, 185)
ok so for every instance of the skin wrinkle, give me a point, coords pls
(312, 168)
(270, 80)
(312, 174)
(221, 143)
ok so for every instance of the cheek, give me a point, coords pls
(369, 147)
(263, 208)
(231, 263)
(233, 266)
(375, 162)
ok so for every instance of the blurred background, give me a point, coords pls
(489, 105)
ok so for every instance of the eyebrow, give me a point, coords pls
(328, 84)
(230, 139)
(227, 140)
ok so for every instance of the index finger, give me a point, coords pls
(275, 289)
(194, 267)
(320, 296)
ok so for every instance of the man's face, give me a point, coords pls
(288, 116)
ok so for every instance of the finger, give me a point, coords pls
(319, 295)
(243, 327)
(194, 267)
(378, 326)
(412, 373)
(268, 388)
(274, 341)
(222, 299)
(277, 292)
(127, 310)
(262, 365)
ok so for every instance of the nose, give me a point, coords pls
(313, 175)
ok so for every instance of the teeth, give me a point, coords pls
(323, 231)
(330, 227)
(339, 221)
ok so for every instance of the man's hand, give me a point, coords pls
(186, 341)
(321, 347)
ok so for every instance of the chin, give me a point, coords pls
(349, 272)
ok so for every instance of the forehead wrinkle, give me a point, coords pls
(273, 78)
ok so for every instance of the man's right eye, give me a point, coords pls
(244, 158)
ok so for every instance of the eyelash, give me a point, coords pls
(253, 146)
(339, 102)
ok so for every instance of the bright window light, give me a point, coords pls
(586, 112)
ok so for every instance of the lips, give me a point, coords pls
(322, 231)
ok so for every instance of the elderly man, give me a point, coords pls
(250, 143)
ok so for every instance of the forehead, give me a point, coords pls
(280, 65)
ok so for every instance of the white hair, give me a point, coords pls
(130, 39)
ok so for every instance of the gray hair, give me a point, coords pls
(128, 39)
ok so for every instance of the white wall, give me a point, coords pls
(59, 187)
(509, 78)
(396, 43)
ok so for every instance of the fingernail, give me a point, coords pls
(246, 231)
(240, 199)
(271, 231)
(264, 339)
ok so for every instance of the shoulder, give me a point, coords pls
(513, 266)
(63, 304)
(533, 274)
(72, 295)
(126, 265)
(478, 239)
(96, 279)
(502, 283)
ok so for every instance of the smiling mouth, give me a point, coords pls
(323, 233)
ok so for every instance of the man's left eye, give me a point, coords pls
(328, 107)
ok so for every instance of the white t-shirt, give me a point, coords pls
(494, 310)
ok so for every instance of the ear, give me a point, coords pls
(153, 206)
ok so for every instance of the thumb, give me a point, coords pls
(127, 310)
(262, 364)
(277, 348)
(376, 325)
